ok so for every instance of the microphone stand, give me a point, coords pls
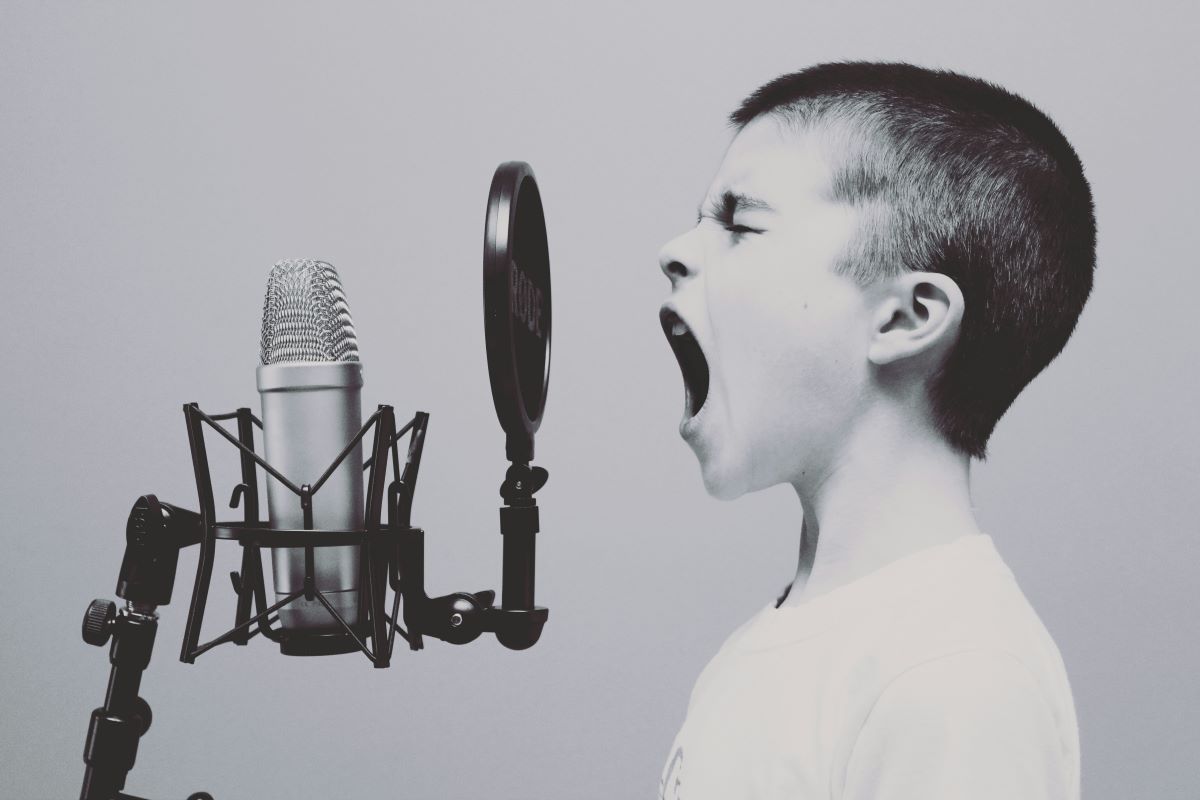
(155, 533)
(392, 555)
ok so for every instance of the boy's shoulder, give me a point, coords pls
(963, 598)
(956, 599)
(964, 653)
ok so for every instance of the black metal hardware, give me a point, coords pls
(97, 622)
(393, 557)
(116, 727)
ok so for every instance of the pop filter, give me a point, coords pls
(516, 305)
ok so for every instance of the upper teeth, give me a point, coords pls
(678, 329)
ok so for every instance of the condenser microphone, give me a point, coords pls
(310, 381)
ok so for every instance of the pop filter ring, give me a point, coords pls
(516, 302)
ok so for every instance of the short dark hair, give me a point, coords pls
(956, 175)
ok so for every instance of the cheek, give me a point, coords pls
(792, 351)
(778, 319)
(748, 331)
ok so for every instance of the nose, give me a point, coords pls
(679, 258)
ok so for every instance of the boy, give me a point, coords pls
(886, 257)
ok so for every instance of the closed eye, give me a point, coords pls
(723, 209)
(736, 232)
(728, 225)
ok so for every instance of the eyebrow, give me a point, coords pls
(729, 204)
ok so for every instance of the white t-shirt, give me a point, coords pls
(929, 679)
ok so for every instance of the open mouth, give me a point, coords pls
(690, 357)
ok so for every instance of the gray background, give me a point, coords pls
(156, 159)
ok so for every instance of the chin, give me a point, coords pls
(723, 482)
(730, 478)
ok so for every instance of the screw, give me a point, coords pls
(456, 619)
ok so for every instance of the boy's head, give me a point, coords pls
(879, 240)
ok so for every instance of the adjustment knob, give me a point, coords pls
(97, 622)
(142, 715)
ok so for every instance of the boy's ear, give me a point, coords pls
(915, 313)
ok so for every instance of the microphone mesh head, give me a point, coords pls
(305, 315)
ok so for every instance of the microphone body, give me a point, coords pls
(310, 412)
(310, 382)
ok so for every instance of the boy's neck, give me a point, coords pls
(894, 490)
